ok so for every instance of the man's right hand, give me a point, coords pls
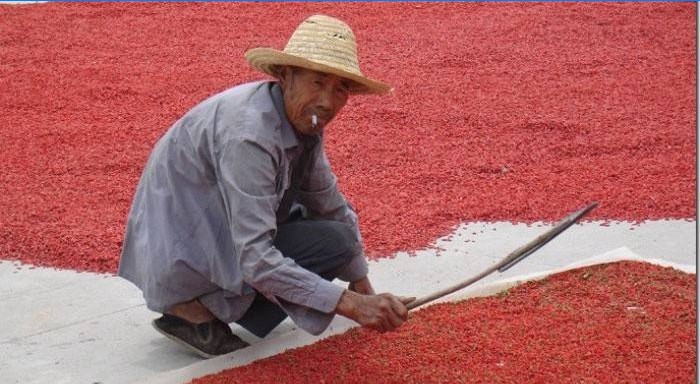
(382, 312)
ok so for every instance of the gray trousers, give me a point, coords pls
(324, 247)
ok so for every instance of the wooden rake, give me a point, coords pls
(513, 258)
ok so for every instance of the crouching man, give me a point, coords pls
(237, 216)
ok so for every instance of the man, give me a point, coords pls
(237, 216)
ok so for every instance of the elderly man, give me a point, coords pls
(237, 216)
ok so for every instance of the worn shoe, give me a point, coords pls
(208, 339)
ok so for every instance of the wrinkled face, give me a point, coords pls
(308, 92)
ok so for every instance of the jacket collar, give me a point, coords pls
(289, 135)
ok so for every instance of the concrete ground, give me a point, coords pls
(70, 327)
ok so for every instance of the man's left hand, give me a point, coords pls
(362, 286)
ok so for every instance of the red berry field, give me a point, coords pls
(625, 322)
(516, 112)
(500, 112)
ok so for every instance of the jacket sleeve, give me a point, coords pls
(248, 179)
(323, 199)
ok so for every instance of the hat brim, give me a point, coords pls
(264, 59)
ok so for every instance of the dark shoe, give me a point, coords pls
(208, 339)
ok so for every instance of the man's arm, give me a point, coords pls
(248, 174)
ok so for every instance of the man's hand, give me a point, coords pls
(362, 286)
(383, 312)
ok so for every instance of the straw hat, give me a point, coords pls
(320, 43)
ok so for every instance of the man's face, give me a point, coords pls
(308, 93)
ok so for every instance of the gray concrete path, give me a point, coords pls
(69, 327)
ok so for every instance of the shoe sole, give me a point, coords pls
(182, 342)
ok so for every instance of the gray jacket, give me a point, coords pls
(203, 218)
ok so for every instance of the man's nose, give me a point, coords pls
(324, 101)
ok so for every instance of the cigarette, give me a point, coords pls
(314, 121)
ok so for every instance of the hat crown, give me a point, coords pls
(325, 40)
(320, 43)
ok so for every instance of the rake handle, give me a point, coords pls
(510, 260)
